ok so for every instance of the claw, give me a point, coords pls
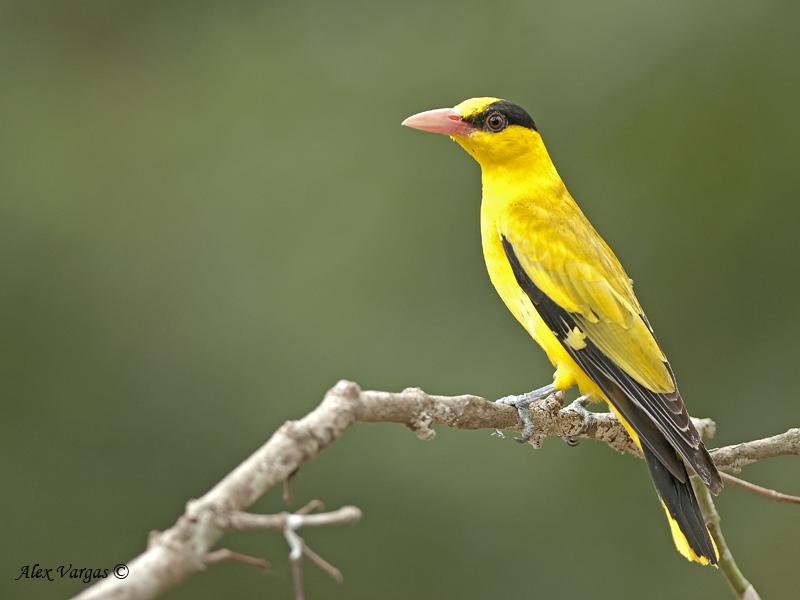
(579, 406)
(521, 403)
(527, 430)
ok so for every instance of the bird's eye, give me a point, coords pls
(496, 122)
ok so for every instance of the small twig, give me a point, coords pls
(297, 575)
(310, 507)
(287, 487)
(296, 543)
(291, 525)
(224, 554)
(323, 564)
(742, 589)
(245, 520)
(757, 489)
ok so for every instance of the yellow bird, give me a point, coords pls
(566, 287)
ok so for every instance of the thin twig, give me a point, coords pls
(224, 554)
(323, 564)
(757, 489)
(742, 589)
(287, 486)
(297, 576)
(245, 520)
(310, 507)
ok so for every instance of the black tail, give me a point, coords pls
(686, 521)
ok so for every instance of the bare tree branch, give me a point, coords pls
(418, 410)
(183, 549)
(757, 489)
(733, 458)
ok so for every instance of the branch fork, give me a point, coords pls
(289, 523)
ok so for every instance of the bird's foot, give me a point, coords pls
(579, 406)
(521, 403)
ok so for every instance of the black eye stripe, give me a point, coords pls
(513, 114)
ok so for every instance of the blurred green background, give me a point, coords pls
(209, 214)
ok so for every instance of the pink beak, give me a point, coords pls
(441, 120)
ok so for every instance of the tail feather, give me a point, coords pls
(689, 530)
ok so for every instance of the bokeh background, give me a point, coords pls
(209, 214)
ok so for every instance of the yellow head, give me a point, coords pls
(495, 132)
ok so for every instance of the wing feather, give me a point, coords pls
(585, 279)
(620, 354)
